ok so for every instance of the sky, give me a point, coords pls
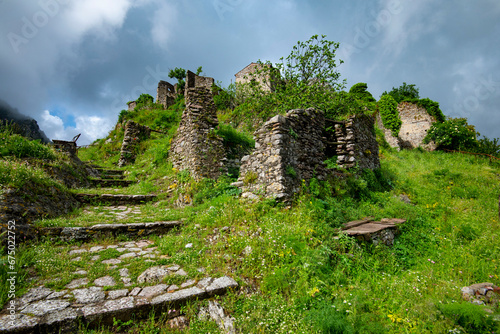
(73, 65)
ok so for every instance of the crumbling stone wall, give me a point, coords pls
(134, 134)
(415, 124)
(288, 149)
(193, 80)
(358, 144)
(165, 94)
(195, 146)
(132, 105)
(248, 75)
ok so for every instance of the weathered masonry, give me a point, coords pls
(196, 147)
(134, 134)
(165, 94)
(416, 121)
(249, 74)
(356, 143)
(288, 149)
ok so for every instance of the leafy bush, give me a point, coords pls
(360, 91)
(388, 108)
(404, 92)
(235, 142)
(432, 108)
(471, 317)
(20, 147)
(225, 98)
(453, 134)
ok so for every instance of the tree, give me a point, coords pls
(308, 77)
(360, 91)
(312, 63)
(180, 75)
(405, 92)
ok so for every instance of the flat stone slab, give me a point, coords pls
(115, 199)
(37, 314)
(107, 230)
(368, 226)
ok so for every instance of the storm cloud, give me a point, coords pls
(73, 65)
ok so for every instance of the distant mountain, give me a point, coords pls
(28, 127)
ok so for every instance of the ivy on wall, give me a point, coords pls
(388, 108)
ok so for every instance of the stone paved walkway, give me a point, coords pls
(97, 302)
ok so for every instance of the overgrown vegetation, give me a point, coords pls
(410, 93)
(297, 273)
(388, 108)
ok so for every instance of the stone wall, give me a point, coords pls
(193, 81)
(196, 147)
(415, 124)
(134, 134)
(358, 144)
(247, 75)
(131, 105)
(165, 94)
(288, 149)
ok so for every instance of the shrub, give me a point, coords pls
(471, 317)
(432, 108)
(360, 91)
(453, 134)
(20, 147)
(388, 108)
(404, 92)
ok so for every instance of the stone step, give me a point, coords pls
(114, 199)
(43, 310)
(110, 171)
(104, 183)
(100, 231)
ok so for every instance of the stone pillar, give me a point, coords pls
(134, 134)
(358, 143)
(195, 146)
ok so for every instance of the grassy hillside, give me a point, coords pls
(297, 273)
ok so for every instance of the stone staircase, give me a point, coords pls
(115, 294)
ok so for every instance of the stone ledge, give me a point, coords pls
(104, 230)
(57, 315)
(114, 199)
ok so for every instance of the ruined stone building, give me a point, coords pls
(193, 80)
(131, 105)
(196, 147)
(290, 150)
(416, 121)
(248, 75)
(165, 94)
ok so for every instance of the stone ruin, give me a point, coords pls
(195, 146)
(416, 121)
(166, 94)
(193, 80)
(248, 75)
(65, 146)
(288, 149)
(134, 134)
(131, 105)
(356, 143)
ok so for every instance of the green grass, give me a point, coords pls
(302, 280)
